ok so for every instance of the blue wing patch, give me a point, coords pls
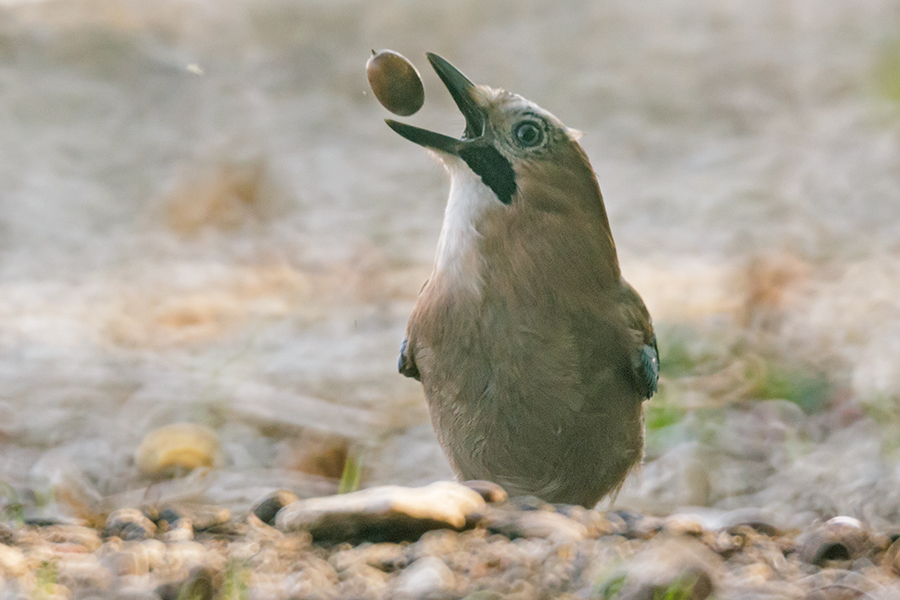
(648, 368)
(405, 364)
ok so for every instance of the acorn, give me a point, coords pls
(395, 82)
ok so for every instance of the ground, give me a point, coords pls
(204, 219)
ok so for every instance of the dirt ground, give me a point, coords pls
(204, 219)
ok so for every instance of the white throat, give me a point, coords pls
(470, 199)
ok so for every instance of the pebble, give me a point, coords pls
(200, 516)
(673, 567)
(311, 576)
(841, 538)
(266, 507)
(484, 595)
(6, 534)
(128, 524)
(73, 534)
(166, 517)
(386, 513)
(891, 558)
(755, 518)
(55, 591)
(635, 525)
(841, 584)
(155, 551)
(259, 531)
(490, 491)
(428, 577)
(12, 562)
(178, 447)
(683, 525)
(200, 584)
(530, 503)
(594, 521)
(385, 557)
(360, 580)
(534, 524)
(127, 562)
(84, 571)
(181, 530)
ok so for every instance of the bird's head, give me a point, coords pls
(524, 154)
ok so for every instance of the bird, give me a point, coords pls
(534, 354)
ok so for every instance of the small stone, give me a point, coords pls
(180, 531)
(55, 591)
(168, 590)
(484, 595)
(842, 538)
(530, 503)
(674, 567)
(637, 526)
(167, 517)
(757, 519)
(12, 562)
(312, 578)
(178, 447)
(490, 491)
(891, 558)
(534, 524)
(596, 522)
(242, 551)
(840, 522)
(427, 578)
(199, 585)
(751, 576)
(266, 507)
(723, 543)
(840, 584)
(200, 516)
(73, 534)
(258, 531)
(126, 562)
(135, 591)
(186, 555)
(155, 551)
(386, 557)
(129, 524)
(6, 534)
(683, 525)
(387, 513)
(80, 572)
(359, 580)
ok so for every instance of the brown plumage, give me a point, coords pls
(534, 353)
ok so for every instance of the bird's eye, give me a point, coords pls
(528, 134)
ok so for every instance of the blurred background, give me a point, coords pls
(205, 221)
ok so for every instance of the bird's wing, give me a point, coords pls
(645, 354)
(405, 363)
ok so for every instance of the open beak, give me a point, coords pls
(460, 89)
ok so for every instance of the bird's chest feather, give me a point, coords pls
(499, 349)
